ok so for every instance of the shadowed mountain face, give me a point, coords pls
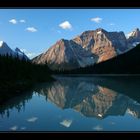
(6, 50)
(126, 63)
(87, 96)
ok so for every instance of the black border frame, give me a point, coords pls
(70, 4)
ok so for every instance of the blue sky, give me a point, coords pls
(35, 30)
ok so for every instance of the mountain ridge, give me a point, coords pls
(6, 50)
(127, 63)
(88, 48)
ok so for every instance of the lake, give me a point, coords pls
(76, 103)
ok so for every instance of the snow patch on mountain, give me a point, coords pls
(129, 34)
(135, 43)
(5, 49)
(1, 42)
(99, 32)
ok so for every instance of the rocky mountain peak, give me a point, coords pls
(1, 43)
(100, 30)
(18, 50)
(61, 44)
(102, 43)
(66, 54)
(137, 29)
(134, 37)
(92, 46)
(5, 49)
(21, 54)
(134, 33)
(62, 40)
(137, 32)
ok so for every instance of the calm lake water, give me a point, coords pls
(88, 103)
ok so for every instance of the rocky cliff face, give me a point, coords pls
(66, 55)
(134, 37)
(90, 47)
(102, 43)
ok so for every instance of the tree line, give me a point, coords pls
(127, 63)
(18, 75)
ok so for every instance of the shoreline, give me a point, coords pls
(97, 75)
(10, 89)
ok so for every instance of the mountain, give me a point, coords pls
(102, 43)
(20, 54)
(91, 47)
(134, 37)
(66, 54)
(5, 49)
(126, 63)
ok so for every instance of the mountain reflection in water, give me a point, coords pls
(97, 97)
(92, 97)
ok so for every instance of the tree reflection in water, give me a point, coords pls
(91, 96)
(18, 103)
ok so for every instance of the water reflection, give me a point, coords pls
(17, 103)
(92, 97)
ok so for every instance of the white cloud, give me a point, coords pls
(96, 19)
(31, 29)
(13, 21)
(65, 25)
(22, 21)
